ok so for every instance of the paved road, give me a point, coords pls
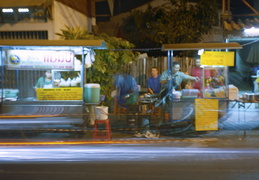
(128, 161)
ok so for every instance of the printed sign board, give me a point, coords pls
(217, 58)
(36, 59)
(206, 114)
(59, 94)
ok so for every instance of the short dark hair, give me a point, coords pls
(175, 63)
(154, 67)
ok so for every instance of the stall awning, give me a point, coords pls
(24, 3)
(94, 44)
(198, 46)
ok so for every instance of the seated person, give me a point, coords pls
(186, 84)
(154, 85)
(216, 80)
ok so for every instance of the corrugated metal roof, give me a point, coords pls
(197, 46)
(85, 43)
(232, 25)
(23, 3)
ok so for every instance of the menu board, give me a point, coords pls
(217, 58)
(206, 114)
(60, 93)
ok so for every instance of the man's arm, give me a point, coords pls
(164, 77)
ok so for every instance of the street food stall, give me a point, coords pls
(206, 107)
(25, 62)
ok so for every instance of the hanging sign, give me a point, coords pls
(206, 114)
(35, 59)
(217, 58)
(59, 94)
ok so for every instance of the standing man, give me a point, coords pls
(154, 84)
(125, 85)
(176, 77)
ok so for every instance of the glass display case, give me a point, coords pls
(214, 82)
(63, 78)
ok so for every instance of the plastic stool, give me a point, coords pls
(99, 134)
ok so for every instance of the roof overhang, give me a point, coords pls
(78, 46)
(24, 3)
(95, 44)
(198, 46)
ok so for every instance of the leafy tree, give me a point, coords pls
(107, 62)
(179, 22)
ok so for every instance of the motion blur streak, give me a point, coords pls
(121, 153)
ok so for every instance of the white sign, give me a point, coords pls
(35, 59)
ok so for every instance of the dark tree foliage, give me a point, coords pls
(180, 21)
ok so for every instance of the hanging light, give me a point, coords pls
(7, 10)
(252, 31)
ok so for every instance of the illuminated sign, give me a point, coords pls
(30, 59)
(217, 58)
(59, 94)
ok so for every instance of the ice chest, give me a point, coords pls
(92, 93)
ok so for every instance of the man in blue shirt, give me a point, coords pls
(154, 85)
(125, 85)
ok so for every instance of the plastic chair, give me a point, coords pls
(102, 133)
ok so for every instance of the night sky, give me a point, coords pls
(237, 7)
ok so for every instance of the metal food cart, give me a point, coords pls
(202, 113)
(24, 61)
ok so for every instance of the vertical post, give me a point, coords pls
(169, 57)
(169, 83)
(223, 7)
(82, 84)
(2, 75)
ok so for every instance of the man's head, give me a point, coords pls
(154, 71)
(175, 67)
(214, 73)
(197, 62)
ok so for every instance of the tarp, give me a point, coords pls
(253, 55)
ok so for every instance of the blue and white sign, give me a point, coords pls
(35, 59)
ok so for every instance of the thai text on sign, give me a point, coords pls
(217, 58)
(59, 94)
(36, 59)
(206, 114)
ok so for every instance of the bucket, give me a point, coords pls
(92, 93)
(101, 112)
(131, 98)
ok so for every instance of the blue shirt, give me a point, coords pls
(154, 84)
(125, 84)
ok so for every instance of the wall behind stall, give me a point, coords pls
(24, 80)
(141, 69)
(64, 15)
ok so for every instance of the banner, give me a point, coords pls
(35, 59)
(217, 58)
(59, 94)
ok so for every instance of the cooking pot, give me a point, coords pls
(257, 96)
(244, 96)
(250, 97)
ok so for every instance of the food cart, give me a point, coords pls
(23, 62)
(203, 112)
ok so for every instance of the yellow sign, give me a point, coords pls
(60, 94)
(206, 114)
(217, 58)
